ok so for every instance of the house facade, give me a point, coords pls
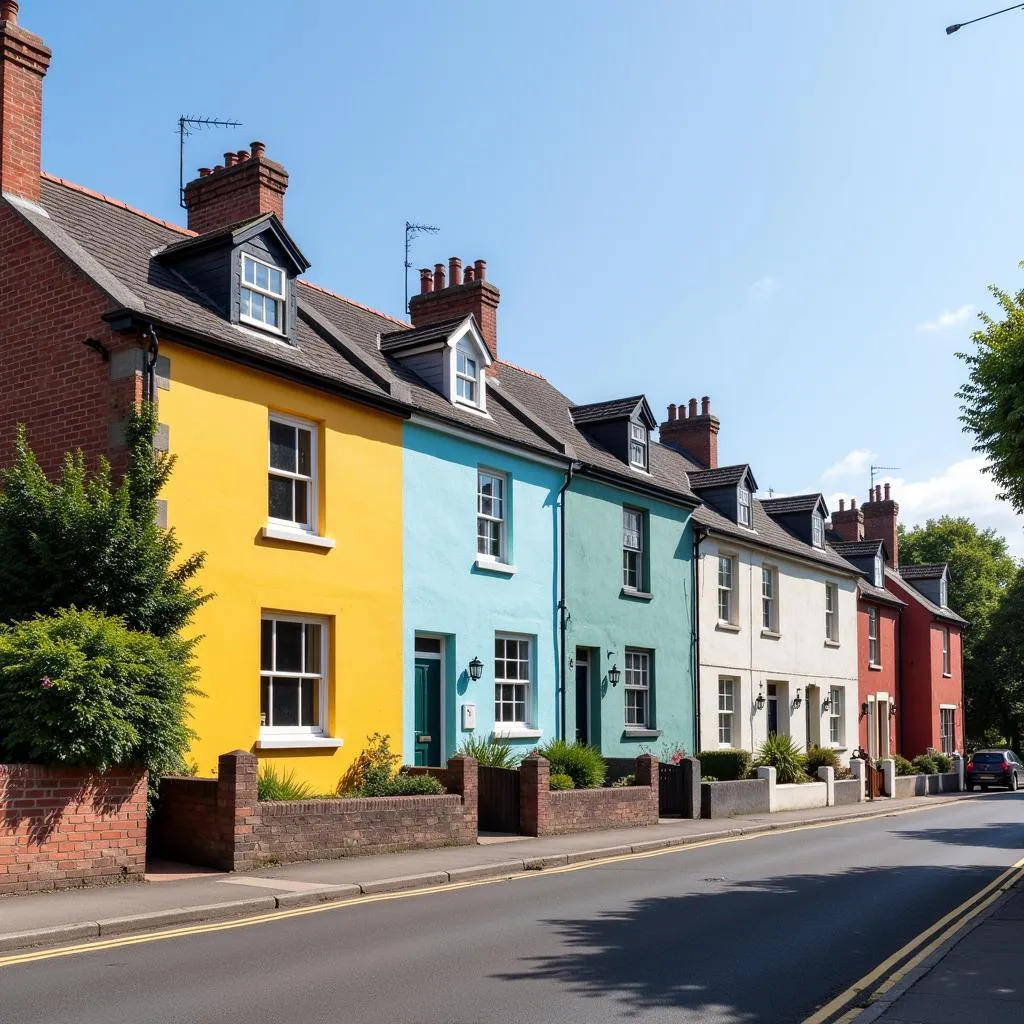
(776, 607)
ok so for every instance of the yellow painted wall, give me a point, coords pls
(217, 502)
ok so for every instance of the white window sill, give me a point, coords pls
(632, 732)
(298, 743)
(312, 540)
(770, 634)
(947, 675)
(518, 732)
(636, 595)
(466, 406)
(874, 668)
(727, 627)
(502, 568)
(831, 643)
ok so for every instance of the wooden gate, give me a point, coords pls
(498, 802)
(670, 789)
(875, 782)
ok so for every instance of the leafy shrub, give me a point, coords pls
(559, 780)
(371, 771)
(818, 757)
(413, 785)
(943, 762)
(272, 784)
(80, 688)
(584, 765)
(622, 783)
(925, 765)
(903, 766)
(781, 753)
(708, 778)
(489, 752)
(725, 765)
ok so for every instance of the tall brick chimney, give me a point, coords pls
(848, 522)
(880, 519)
(25, 61)
(244, 186)
(466, 292)
(697, 435)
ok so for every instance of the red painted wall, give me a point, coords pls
(873, 679)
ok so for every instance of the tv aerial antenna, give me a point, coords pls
(878, 470)
(411, 231)
(186, 126)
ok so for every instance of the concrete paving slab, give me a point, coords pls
(947, 1009)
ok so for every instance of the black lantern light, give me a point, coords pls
(864, 708)
(892, 710)
(826, 704)
(797, 700)
(760, 700)
(613, 675)
(476, 669)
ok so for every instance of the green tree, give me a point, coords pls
(992, 400)
(82, 541)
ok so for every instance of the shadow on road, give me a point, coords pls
(743, 952)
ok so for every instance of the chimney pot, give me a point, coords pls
(454, 271)
(426, 281)
(853, 504)
(842, 504)
(671, 412)
(693, 407)
(886, 492)
(480, 270)
(219, 167)
(705, 406)
(9, 12)
(438, 277)
(468, 276)
(257, 148)
(229, 159)
(242, 154)
(204, 171)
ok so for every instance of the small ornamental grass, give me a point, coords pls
(489, 753)
(559, 780)
(821, 757)
(374, 773)
(274, 784)
(583, 764)
(781, 753)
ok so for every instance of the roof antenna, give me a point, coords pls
(877, 470)
(411, 231)
(185, 126)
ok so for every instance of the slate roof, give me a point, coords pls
(596, 412)
(394, 340)
(870, 592)
(792, 503)
(858, 548)
(922, 572)
(940, 613)
(723, 476)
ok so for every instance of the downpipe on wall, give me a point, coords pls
(574, 468)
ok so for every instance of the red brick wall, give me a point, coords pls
(546, 813)
(878, 679)
(60, 827)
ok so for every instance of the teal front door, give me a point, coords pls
(428, 711)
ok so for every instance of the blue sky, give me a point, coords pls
(794, 208)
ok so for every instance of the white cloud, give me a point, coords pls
(948, 318)
(857, 463)
(962, 489)
(763, 288)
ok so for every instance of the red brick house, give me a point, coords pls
(911, 664)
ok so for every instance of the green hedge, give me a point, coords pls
(903, 766)
(818, 757)
(925, 765)
(558, 780)
(584, 765)
(725, 765)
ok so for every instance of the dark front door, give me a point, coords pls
(773, 709)
(582, 695)
(428, 711)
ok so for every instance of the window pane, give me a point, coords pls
(283, 445)
(262, 276)
(280, 501)
(266, 645)
(265, 701)
(289, 647)
(428, 645)
(313, 648)
(276, 282)
(271, 312)
(305, 438)
(301, 501)
(284, 709)
(249, 269)
(310, 698)
(245, 301)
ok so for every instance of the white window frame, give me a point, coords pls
(729, 592)
(946, 660)
(879, 579)
(463, 376)
(639, 436)
(943, 593)
(836, 709)
(947, 738)
(832, 612)
(632, 553)
(501, 520)
(311, 481)
(770, 598)
(637, 681)
(503, 724)
(727, 690)
(817, 530)
(281, 298)
(271, 731)
(744, 506)
(874, 644)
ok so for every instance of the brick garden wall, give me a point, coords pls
(546, 813)
(220, 823)
(60, 827)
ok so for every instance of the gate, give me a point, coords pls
(498, 801)
(670, 789)
(875, 781)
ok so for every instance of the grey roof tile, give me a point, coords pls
(596, 412)
(792, 503)
(395, 340)
(908, 588)
(722, 476)
(923, 572)
(857, 548)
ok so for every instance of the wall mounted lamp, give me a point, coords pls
(826, 704)
(613, 675)
(864, 708)
(892, 710)
(476, 669)
(797, 700)
(759, 701)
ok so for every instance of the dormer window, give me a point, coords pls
(638, 445)
(743, 513)
(879, 579)
(817, 530)
(465, 378)
(262, 294)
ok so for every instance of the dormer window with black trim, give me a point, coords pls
(818, 530)
(261, 296)
(638, 445)
(743, 505)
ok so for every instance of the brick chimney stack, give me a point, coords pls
(848, 522)
(246, 185)
(881, 516)
(696, 434)
(25, 61)
(467, 291)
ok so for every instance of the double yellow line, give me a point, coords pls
(848, 1005)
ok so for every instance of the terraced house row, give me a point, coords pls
(407, 533)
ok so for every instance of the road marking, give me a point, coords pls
(962, 915)
(98, 945)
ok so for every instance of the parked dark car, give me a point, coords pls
(994, 768)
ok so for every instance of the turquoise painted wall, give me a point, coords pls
(606, 623)
(445, 594)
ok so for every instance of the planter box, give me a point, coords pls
(725, 799)
(922, 785)
(61, 827)
(846, 791)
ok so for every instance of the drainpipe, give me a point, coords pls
(574, 467)
(149, 385)
(699, 533)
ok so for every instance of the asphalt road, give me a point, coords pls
(762, 930)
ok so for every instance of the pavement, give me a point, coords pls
(175, 895)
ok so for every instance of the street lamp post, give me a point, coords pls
(950, 29)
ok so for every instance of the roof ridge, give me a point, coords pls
(522, 369)
(120, 203)
(352, 302)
